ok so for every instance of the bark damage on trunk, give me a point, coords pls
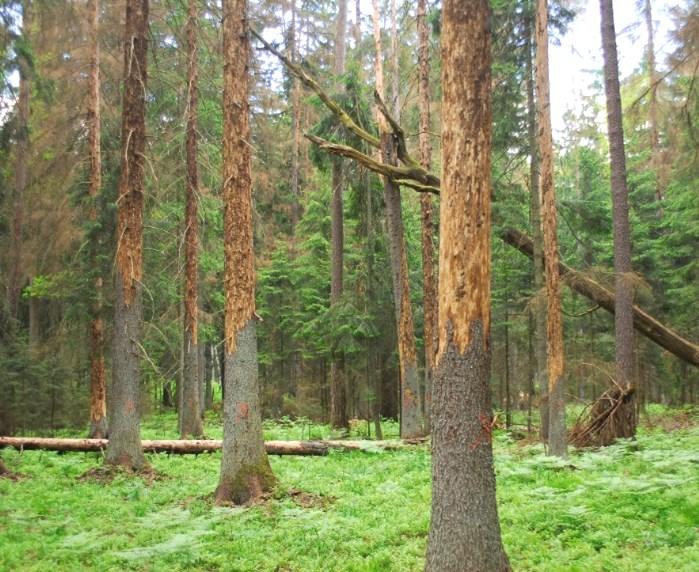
(125, 442)
(98, 393)
(190, 410)
(554, 325)
(464, 530)
(245, 470)
(410, 415)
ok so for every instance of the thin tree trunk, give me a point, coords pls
(464, 529)
(338, 386)
(125, 441)
(191, 407)
(296, 124)
(508, 400)
(653, 109)
(623, 282)
(429, 286)
(98, 394)
(411, 417)
(16, 270)
(245, 470)
(554, 325)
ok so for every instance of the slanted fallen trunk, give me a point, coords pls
(642, 321)
(196, 446)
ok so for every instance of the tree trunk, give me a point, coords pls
(655, 159)
(429, 286)
(125, 442)
(410, 414)
(296, 124)
(338, 386)
(464, 529)
(623, 280)
(245, 470)
(554, 325)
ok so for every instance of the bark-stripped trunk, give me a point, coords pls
(554, 324)
(16, 271)
(410, 412)
(245, 470)
(464, 529)
(191, 406)
(124, 432)
(429, 286)
(338, 387)
(623, 281)
(98, 393)
(653, 109)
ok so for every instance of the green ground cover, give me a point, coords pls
(632, 506)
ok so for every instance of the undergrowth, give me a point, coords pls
(632, 506)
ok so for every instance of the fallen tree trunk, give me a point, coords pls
(642, 321)
(195, 446)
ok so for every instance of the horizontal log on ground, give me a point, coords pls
(195, 446)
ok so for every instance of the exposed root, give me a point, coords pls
(610, 417)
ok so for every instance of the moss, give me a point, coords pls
(250, 482)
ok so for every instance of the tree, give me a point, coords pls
(554, 325)
(245, 470)
(429, 287)
(464, 529)
(623, 279)
(653, 107)
(410, 414)
(338, 389)
(190, 408)
(124, 437)
(98, 393)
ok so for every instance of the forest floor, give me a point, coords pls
(631, 506)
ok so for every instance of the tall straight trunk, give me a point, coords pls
(395, 70)
(623, 281)
(296, 123)
(338, 386)
(124, 433)
(429, 286)
(464, 528)
(557, 437)
(653, 108)
(191, 406)
(16, 270)
(98, 393)
(245, 470)
(538, 307)
(410, 414)
(357, 23)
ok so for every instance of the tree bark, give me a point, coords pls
(98, 393)
(338, 386)
(429, 286)
(653, 109)
(191, 407)
(296, 123)
(245, 470)
(464, 529)
(554, 324)
(125, 442)
(623, 281)
(411, 424)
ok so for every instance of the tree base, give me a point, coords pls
(248, 485)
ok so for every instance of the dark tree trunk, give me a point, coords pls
(623, 282)
(125, 442)
(464, 530)
(245, 470)
(554, 324)
(338, 385)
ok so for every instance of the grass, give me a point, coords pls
(632, 506)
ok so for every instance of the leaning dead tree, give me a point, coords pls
(411, 174)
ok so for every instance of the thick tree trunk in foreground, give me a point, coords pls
(464, 529)
(98, 393)
(410, 415)
(191, 407)
(554, 324)
(429, 286)
(623, 280)
(245, 470)
(338, 386)
(125, 442)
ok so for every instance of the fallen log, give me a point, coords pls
(196, 446)
(642, 321)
